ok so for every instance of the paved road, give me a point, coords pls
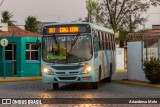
(36, 89)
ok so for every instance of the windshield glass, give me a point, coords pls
(67, 48)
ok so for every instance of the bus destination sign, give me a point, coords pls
(66, 29)
(52, 30)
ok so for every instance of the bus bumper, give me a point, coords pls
(49, 79)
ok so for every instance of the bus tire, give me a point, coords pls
(55, 85)
(108, 79)
(95, 85)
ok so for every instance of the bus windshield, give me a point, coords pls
(67, 48)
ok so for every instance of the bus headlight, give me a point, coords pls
(87, 69)
(46, 71)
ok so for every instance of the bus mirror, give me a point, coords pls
(37, 43)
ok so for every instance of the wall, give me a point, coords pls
(135, 71)
(120, 58)
(8, 64)
(28, 68)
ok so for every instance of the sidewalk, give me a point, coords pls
(145, 84)
(16, 79)
(121, 77)
(121, 70)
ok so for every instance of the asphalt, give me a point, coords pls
(120, 76)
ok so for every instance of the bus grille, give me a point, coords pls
(67, 78)
(60, 72)
(73, 72)
(66, 67)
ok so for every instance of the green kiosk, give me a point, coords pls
(21, 55)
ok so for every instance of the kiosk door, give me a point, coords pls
(10, 55)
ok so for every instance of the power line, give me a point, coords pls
(1, 2)
(151, 13)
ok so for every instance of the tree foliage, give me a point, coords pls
(151, 68)
(31, 24)
(124, 14)
(6, 18)
(94, 14)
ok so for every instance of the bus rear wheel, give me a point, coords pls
(55, 85)
(107, 80)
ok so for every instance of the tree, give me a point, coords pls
(124, 16)
(6, 18)
(116, 12)
(128, 25)
(31, 24)
(93, 8)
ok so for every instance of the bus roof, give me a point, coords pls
(94, 26)
(102, 28)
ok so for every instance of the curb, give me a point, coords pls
(139, 83)
(18, 79)
(121, 70)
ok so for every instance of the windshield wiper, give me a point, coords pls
(57, 44)
(74, 41)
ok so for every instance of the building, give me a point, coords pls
(22, 54)
(141, 46)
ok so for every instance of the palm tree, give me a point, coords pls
(6, 18)
(31, 24)
(93, 9)
(90, 7)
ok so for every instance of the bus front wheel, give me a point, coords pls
(108, 79)
(95, 85)
(55, 85)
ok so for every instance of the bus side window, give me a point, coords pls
(96, 43)
(103, 40)
(99, 39)
(106, 41)
(111, 42)
(95, 40)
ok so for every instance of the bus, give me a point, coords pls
(77, 52)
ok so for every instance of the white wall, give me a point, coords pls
(135, 71)
(120, 58)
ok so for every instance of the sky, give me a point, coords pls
(45, 10)
(59, 11)
(153, 17)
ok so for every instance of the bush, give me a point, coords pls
(151, 69)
